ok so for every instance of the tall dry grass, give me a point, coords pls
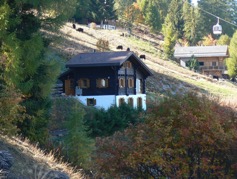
(32, 162)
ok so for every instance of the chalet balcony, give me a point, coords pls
(213, 68)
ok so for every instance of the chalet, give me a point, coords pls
(210, 58)
(103, 79)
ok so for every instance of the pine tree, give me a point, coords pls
(170, 38)
(192, 24)
(27, 65)
(174, 17)
(83, 10)
(151, 13)
(232, 61)
(79, 145)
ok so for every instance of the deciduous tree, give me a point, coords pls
(186, 136)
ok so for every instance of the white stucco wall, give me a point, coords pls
(107, 101)
(135, 97)
(104, 101)
(183, 62)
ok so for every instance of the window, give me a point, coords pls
(102, 83)
(127, 64)
(139, 102)
(84, 83)
(141, 86)
(91, 101)
(214, 64)
(201, 63)
(130, 82)
(130, 102)
(121, 101)
(121, 82)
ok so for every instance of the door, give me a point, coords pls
(69, 87)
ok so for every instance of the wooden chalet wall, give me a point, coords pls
(94, 73)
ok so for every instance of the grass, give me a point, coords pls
(212, 88)
(31, 162)
(143, 45)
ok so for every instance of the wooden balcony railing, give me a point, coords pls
(212, 68)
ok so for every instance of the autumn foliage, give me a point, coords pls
(187, 136)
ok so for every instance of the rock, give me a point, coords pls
(57, 175)
(6, 160)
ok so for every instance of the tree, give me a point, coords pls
(28, 66)
(124, 11)
(151, 13)
(193, 64)
(78, 145)
(101, 10)
(186, 136)
(174, 17)
(173, 27)
(169, 40)
(160, 6)
(10, 110)
(223, 40)
(192, 24)
(232, 61)
(83, 10)
(208, 40)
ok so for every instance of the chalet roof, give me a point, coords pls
(100, 59)
(201, 51)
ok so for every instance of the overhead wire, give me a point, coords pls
(211, 14)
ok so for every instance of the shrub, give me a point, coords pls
(105, 123)
(183, 137)
(102, 45)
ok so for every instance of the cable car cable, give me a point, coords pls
(212, 14)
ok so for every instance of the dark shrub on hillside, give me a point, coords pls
(105, 122)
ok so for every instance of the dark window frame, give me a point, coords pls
(91, 101)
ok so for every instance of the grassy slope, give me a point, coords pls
(30, 162)
(169, 77)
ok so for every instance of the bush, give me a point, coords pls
(102, 45)
(183, 137)
(105, 123)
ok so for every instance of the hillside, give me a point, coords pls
(169, 77)
(27, 161)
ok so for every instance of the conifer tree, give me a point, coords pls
(79, 145)
(232, 61)
(27, 65)
(151, 13)
(174, 17)
(192, 24)
(170, 38)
